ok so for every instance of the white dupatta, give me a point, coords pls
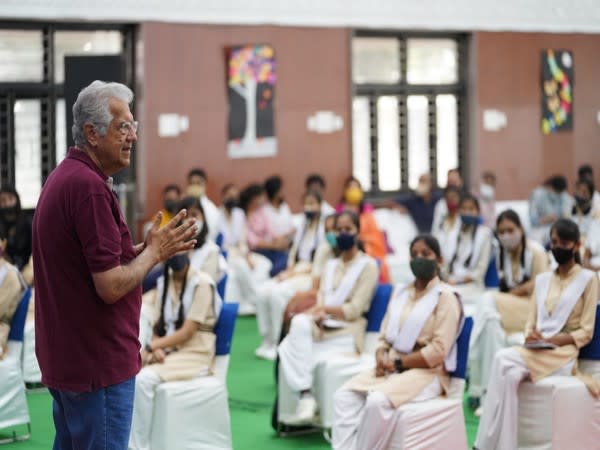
(551, 324)
(338, 296)
(171, 314)
(524, 271)
(458, 269)
(404, 337)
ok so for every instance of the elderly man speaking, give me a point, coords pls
(88, 275)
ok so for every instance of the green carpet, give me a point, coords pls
(251, 393)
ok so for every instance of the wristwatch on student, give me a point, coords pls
(399, 366)
(148, 348)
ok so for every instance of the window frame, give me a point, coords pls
(402, 89)
(48, 92)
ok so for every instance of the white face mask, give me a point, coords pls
(199, 225)
(487, 191)
(510, 241)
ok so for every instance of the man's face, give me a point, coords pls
(454, 179)
(171, 195)
(113, 150)
(197, 180)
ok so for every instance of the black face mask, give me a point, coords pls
(178, 262)
(423, 269)
(562, 255)
(171, 206)
(230, 203)
(310, 215)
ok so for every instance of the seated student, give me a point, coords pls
(275, 293)
(232, 224)
(584, 210)
(585, 171)
(487, 198)
(171, 197)
(498, 314)
(448, 227)
(335, 324)
(416, 352)
(197, 180)
(371, 237)
(183, 345)
(277, 209)
(17, 226)
(206, 255)
(11, 291)
(248, 270)
(316, 183)
(454, 180)
(548, 203)
(471, 252)
(561, 321)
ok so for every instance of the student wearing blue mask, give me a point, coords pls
(274, 294)
(471, 251)
(335, 325)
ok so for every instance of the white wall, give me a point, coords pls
(510, 15)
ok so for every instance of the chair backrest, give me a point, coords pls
(592, 350)
(221, 285)
(225, 327)
(378, 307)
(219, 240)
(463, 349)
(17, 325)
(491, 279)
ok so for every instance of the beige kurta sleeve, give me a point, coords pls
(363, 292)
(291, 261)
(480, 269)
(323, 254)
(539, 263)
(447, 316)
(583, 335)
(211, 264)
(382, 342)
(10, 296)
(532, 316)
(201, 309)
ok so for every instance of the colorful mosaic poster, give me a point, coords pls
(557, 90)
(251, 81)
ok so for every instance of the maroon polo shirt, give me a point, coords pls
(81, 342)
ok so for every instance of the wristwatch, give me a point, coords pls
(148, 348)
(398, 365)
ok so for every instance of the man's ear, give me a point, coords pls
(91, 134)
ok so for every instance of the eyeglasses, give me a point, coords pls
(127, 128)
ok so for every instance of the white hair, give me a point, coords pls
(93, 107)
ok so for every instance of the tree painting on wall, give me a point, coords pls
(251, 81)
(557, 90)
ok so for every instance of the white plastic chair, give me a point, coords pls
(194, 414)
(13, 402)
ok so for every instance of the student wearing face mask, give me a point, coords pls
(471, 252)
(17, 227)
(584, 210)
(336, 324)
(171, 197)
(278, 210)
(449, 227)
(561, 321)
(519, 261)
(276, 293)
(197, 180)
(183, 344)
(454, 181)
(206, 255)
(547, 204)
(232, 224)
(371, 236)
(417, 350)
(487, 198)
(11, 290)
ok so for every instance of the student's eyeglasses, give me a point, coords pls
(127, 128)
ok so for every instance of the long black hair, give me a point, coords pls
(567, 230)
(159, 328)
(463, 199)
(511, 216)
(194, 202)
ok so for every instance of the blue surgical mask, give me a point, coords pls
(331, 239)
(178, 262)
(469, 220)
(345, 241)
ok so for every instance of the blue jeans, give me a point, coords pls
(97, 420)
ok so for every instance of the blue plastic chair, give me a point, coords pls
(17, 325)
(491, 279)
(378, 307)
(219, 240)
(463, 349)
(221, 285)
(592, 350)
(225, 327)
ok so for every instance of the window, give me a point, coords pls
(33, 114)
(408, 97)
